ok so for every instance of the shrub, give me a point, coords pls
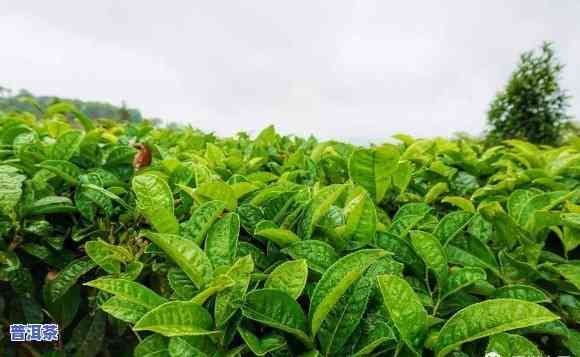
(282, 246)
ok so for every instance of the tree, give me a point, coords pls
(124, 113)
(532, 106)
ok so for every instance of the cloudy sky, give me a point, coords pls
(352, 70)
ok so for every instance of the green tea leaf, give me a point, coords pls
(402, 251)
(187, 255)
(281, 237)
(402, 175)
(277, 309)
(570, 238)
(217, 190)
(571, 273)
(376, 332)
(120, 155)
(372, 168)
(436, 191)
(66, 170)
(110, 195)
(505, 344)
(177, 318)
(407, 218)
(461, 257)
(344, 317)
(572, 343)
(489, 318)
(521, 292)
(318, 208)
(66, 145)
(10, 188)
(336, 281)
(428, 247)
(451, 225)
(462, 278)
(289, 277)
(152, 346)
(131, 291)
(124, 310)
(180, 283)
(517, 201)
(571, 220)
(361, 219)
(228, 301)
(49, 205)
(107, 256)
(222, 240)
(199, 346)
(464, 204)
(544, 202)
(319, 255)
(201, 220)
(405, 309)
(218, 284)
(66, 107)
(155, 200)
(261, 346)
(67, 278)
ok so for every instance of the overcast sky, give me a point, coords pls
(352, 70)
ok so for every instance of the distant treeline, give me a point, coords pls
(26, 101)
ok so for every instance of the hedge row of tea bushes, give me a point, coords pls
(193, 245)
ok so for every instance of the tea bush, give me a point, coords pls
(193, 245)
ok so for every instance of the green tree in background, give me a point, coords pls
(532, 106)
(23, 101)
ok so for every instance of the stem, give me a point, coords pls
(427, 282)
(137, 334)
(436, 307)
(398, 350)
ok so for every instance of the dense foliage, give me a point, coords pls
(282, 246)
(533, 105)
